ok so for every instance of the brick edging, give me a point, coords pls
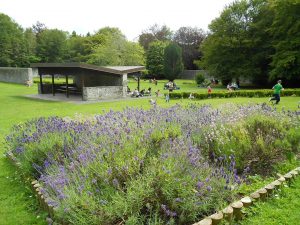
(233, 211)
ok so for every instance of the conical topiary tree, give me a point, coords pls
(173, 65)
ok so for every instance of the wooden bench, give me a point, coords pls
(71, 89)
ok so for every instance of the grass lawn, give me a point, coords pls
(17, 206)
(284, 208)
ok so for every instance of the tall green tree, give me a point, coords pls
(261, 47)
(133, 54)
(78, 48)
(155, 58)
(30, 43)
(286, 32)
(233, 48)
(12, 43)
(110, 47)
(38, 28)
(51, 45)
(189, 39)
(173, 64)
(155, 33)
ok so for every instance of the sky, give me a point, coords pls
(132, 17)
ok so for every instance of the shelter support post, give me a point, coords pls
(53, 90)
(41, 84)
(67, 86)
(82, 85)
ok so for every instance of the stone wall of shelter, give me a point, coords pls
(103, 92)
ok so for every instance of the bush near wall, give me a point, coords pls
(248, 93)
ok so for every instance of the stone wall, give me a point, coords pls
(190, 74)
(17, 75)
(103, 92)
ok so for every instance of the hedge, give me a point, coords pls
(226, 94)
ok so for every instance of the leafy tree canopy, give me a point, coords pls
(286, 32)
(189, 39)
(51, 45)
(155, 58)
(234, 48)
(12, 43)
(155, 33)
(110, 47)
(255, 39)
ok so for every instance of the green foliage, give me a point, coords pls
(257, 142)
(12, 43)
(189, 39)
(173, 65)
(246, 93)
(133, 54)
(155, 33)
(113, 49)
(79, 48)
(155, 58)
(30, 38)
(254, 183)
(199, 78)
(51, 45)
(255, 39)
(286, 32)
(236, 46)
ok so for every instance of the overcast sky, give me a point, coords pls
(131, 16)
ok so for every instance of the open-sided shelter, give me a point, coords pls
(90, 81)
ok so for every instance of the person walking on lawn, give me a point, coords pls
(277, 89)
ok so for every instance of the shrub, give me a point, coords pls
(199, 78)
(240, 93)
(258, 141)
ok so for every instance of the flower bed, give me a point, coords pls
(158, 166)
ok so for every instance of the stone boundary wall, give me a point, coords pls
(103, 92)
(17, 75)
(190, 74)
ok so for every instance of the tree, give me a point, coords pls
(233, 48)
(30, 43)
(155, 58)
(173, 65)
(106, 47)
(38, 28)
(112, 48)
(155, 33)
(51, 45)
(79, 49)
(133, 54)
(286, 32)
(12, 43)
(261, 47)
(189, 39)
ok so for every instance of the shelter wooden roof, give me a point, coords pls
(119, 70)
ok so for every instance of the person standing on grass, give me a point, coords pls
(168, 96)
(191, 96)
(277, 89)
(209, 90)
